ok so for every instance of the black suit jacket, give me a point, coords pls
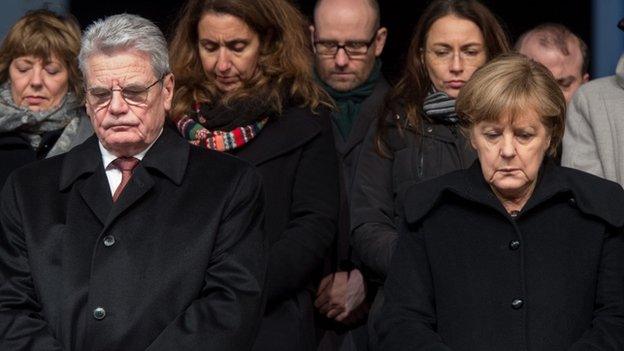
(185, 271)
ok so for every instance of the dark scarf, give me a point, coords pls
(440, 108)
(225, 127)
(350, 102)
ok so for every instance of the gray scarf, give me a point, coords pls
(31, 125)
(440, 108)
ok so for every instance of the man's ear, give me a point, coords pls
(585, 78)
(380, 40)
(168, 86)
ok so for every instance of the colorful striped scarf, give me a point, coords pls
(219, 140)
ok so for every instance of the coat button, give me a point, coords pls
(109, 240)
(572, 202)
(99, 313)
(514, 245)
(517, 304)
(429, 129)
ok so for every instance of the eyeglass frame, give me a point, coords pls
(120, 90)
(368, 44)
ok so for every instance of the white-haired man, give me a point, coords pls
(134, 240)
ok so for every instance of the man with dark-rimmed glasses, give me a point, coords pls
(133, 240)
(347, 39)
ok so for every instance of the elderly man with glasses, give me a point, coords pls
(348, 41)
(134, 240)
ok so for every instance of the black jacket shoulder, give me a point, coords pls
(594, 196)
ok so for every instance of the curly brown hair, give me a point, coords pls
(42, 33)
(284, 67)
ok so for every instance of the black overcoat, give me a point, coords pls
(296, 157)
(466, 275)
(414, 154)
(177, 263)
(341, 257)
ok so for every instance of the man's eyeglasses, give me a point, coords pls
(353, 48)
(134, 95)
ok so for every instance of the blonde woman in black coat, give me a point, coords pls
(515, 253)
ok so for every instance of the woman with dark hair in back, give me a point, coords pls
(244, 85)
(418, 137)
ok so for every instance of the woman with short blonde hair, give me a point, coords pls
(515, 252)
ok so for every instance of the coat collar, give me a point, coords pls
(295, 127)
(593, 196)
(168, 156)
(370, 109)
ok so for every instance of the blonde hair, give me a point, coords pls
(43, 33)
(284, 67)
(511, 84)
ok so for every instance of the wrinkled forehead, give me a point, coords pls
(118, 67)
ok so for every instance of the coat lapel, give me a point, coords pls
(140, 183)
(281, 135)
(371, 108)
(85, 162)
(168, 156)
(96, 194)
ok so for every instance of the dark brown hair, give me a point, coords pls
(43, 33)
(410, 91)
(284, 66)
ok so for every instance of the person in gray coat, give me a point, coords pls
(595, 129)
(418, 136)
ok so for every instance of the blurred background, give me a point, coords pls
(595, 21)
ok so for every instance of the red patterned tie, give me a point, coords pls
(126, 165)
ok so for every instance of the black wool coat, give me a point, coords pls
(413, 155)
(15, 152)
(466, 275)
(177, 263)
(349, 152)
(295, 156)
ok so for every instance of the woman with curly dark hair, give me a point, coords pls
(245, 86)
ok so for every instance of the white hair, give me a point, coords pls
(125, 32)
